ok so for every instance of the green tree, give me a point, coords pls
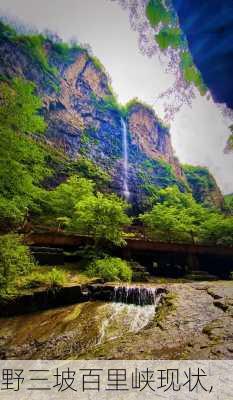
(22, 161)
(76, 205)
(175, 217)
(62, 200)
(15, 260)
(217, 229)
(102, 216)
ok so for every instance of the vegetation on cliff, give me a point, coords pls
(203, 185)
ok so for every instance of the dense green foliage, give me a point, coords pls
(35, 47)
(110, 269)
(169, 37)
(191, 73)
(78, 207)
(19, 107)
(228, 204)
(15, 260)
(156, 13)
(176, 217)
(102, 216)
(22, 161)
(63, 199)
(158, 173)
(217, 229)
(201, 182)
(66, 51)
(88, 169)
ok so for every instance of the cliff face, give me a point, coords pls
(151, 136)
(203, 185)
(84, 118)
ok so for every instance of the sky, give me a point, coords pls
(199, 133)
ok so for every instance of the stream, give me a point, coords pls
(63, 332)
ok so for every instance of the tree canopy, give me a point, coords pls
(77, 206)
(176, 216)
(22, 161)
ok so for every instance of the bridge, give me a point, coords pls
(60, 239)
(214, 259)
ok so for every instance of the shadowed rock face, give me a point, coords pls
(151, 136)
(83, 119)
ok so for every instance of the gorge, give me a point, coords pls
(101, 225)
(84, 118)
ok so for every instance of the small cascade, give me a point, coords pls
(132, 309)
(125, 159)
(140, 296)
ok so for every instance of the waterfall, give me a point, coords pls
(132, 310)
(125, 159)
(140, 296)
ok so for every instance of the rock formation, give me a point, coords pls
(84, 117)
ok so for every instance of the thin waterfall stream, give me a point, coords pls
(125, 160)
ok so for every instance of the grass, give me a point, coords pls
(48, 277)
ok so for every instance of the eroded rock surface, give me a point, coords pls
(194, 322)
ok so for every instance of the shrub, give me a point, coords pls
(15, 259)
(57, 277)
(110, 269)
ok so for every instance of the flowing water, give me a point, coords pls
(71, 331)
(133, 309)
(125, 159)
(137, 295)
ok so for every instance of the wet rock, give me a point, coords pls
(221, 305)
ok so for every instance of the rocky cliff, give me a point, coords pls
(84, 117)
